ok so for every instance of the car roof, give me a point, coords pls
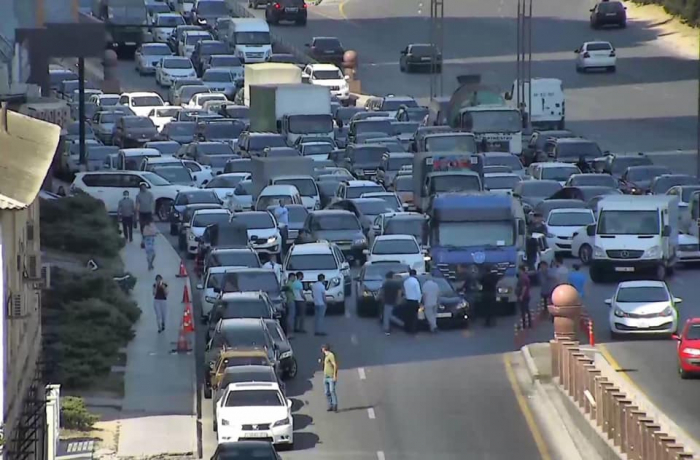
(570, 210)
(242, 386)
(242, 323)
(573, 139)
(641, 283)
(318, 247)
(278, 189)
(248, 295)
(323, 67)
(331, 212)
(212, 211)
(360, 183)
(501, 174)
(556, 164)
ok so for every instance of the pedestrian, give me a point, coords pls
(330, 377)
(318, 291)
(561, 271)
(160, 302)
(548, 282)
(300, 304)
(126, 209)
(389, 295)
(522, 292)
(291, 304)
(578, 279)
(271, 264)
(537, 224)
(431, 297)
(489, 286)
(281, 213)
(413, 295)
(145, 206)
(149, 233)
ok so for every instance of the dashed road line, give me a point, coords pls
(354, 340)
(380, 455)
(361, 372)
(371, 414)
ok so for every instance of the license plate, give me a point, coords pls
(291, 10)
(330, 52)
(444, 315)
(624, 269)
(643, 325)
(255, 435)
(425, 59)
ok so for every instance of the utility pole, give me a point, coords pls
(523, 62)
(81, 110)
(437, 33)
(697, 158)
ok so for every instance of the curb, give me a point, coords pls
(530, 363)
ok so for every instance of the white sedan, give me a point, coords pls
(200, 221)
(563, 223)
(149, 55)
(199, 99)
(173, 68)
(643, 307)
(397, 248)
(224, 184)
(596, 55)
(161, 116)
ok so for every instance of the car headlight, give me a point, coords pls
(598, 252)
(668, 311)
(462, 304)
(286, 354)
(209, 299)
(360, 242)
(272, 239)
(335, 282)
(619, 313)
(504, 290)
(653, 252)
(691, 351)
(225, 422)
(191, 237)
(282, 422)
(427, 258)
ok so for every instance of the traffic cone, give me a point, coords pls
(185, 295)
(183, 341)
(187, 323)
(183, 271)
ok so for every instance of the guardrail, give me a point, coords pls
(635, 434)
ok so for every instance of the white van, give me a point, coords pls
(131, 159)
(272, 194)
(249, 40)
(634, 234)
(548, 105)
(305, 185)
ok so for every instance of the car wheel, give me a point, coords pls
(661, 272)
(407, 68)
(584, 254)
(163, 209)
(596, 275)
(684, 375)
(293, 369)
(402, 69)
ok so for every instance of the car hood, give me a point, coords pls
(563, 231)
(642, 308)
(468, 254)
(372, 285)
(311, 275)
(142, 132)
(262, 233)
(253, 415)
(178, 72)
(641, 184)
(182, 139)
(339, 235)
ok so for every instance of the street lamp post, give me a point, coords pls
(523, 64)
(437, 33)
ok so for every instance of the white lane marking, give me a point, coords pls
(354, 340)
(380, 455)
(371, 414)
(361, 371)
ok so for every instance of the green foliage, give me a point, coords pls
(86, 319)
(688, 10)
(79, 224)
(74, 414)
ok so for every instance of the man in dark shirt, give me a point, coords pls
(537, 224)
(489, 283)
(389, 296)
(522, 291)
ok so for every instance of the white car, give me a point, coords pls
(141, 103)
(397, 248)
(161, 116)
(307, 188)
(148, 55)
(189, 40)
(174, 68)
(322, 258)
(166, 22)
(254, 410)
(200, 221)
(688, 248)
(392, 200)
(563, 223)
(557, 171)
(199, 99)
(329, 76)
(263, 231)
(502, 183)
(202, 173)
(643, 307)
(242, 198)
(596, 55)
(213, 280)
(225, 184)
(104, 100)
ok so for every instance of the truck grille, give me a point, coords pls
(625, 254)
(260, 427)
(254, 55)
(648, 315)
(459, 272)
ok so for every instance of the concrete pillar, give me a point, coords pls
(566, 309)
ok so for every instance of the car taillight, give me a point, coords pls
(586, 55)
(305, 5)
(612, 53)
(277, 6)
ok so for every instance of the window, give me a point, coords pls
(538, 189)
(373, 206)
(205, 219)
(170, 21)
(646, 294)
(598, 46)
(138, 122)
(196, 198)
(237, 259)
(254, 398)
(155, 179)
(244, 188)
(501, 182)
(327, 75)
(243, 309)
(222, 76)
(261, 142)
(570, 219)
(225, 182)
(156, 51)
(181, 64)
(304, 262)
(693, 332)
(130, 181)
(330, 44)
(392, 105)
(404, 184)
(335, 222)
(575, 150)
(146, 101)
(646, 173)
(252, 38)
(225, 61)
(246, 281)
(255, 220)
(401, 226)
(614, 222)
(558, 173)
(356, 192)
(389, 246)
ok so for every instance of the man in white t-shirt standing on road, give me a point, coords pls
(431, 297)
(413, 295)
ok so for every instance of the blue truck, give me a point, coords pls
(475, 232)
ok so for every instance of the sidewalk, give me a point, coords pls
(158, 412)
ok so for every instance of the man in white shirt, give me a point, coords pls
(412, 293)
(318, 291)
(431, 297)
(281, 213)
(271, 264)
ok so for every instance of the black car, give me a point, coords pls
(336, 226)
(616, 165)
(221, 130)
(134, 131)
(406, 113)
(286, 10)
(228, 235)
(661, 184)
(206, 12)
(608, 13)
(636, 180)
(243, 334)
(571, 149)
(253, 143)
(288, 363)
(420, 56)
(259, 450)
(362, 159)
(368, 283)
(532, 192)
(183, 200)
(205, 48)
(254, 279)
(534, 151)
(181, 132)
(237, 305)
(327, 50)
(365, 209)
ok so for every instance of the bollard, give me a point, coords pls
(650, 430)
(672, 451)
(622, 404)
(633, 414)
(662, 442)
(591, 334)
(593, 374)
(602, 386)
(616, 413)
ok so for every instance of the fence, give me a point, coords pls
(624, 424)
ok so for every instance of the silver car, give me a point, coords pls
(221, 81)
(150, 54)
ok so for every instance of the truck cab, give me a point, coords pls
(445, 172)
(498, 128)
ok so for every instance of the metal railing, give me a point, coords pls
(630, 429)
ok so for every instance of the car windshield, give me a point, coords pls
(614, 222)
(423, 50)
(416, 114)
(493, 233)
(261, 142)
(328, 75)
(180, 128)
(156, 50)
(109, 117)
(687, 193)
(310, 124)
(317, 149)
(663, 184)
(237, 259)
(378, 271)
(356, 192)
(244, 188)
(206, 219)
(193, 39)
(225, 182)
(253, 398)
(330, 44)
(645, 294)
(335, 222)
(369, 156)
(175, 175)
(392, 105)
(389, 246)
(215, 148)
(312, 262)
(346, 113)
(224, 130)
(450, 143)
(598, 46)
(182, 63)
(610, 7)
(403, 184)
(570, 219)
(245, 281)
(401, 226)
(253, 38)
(446, 184)
(693, 332)
(100, 152)
(155, 179)
(255, 220)
(138, 122)
(198, 197)
(306, 187)
(237, 112)
(171, 21)
(244, 309)
(207, 49)
(559, 173)
(219, 76)
(539, 189)
(266, 201)
(225, 61)
(597, 180)
(501, 182)
(574, 150)
(646, 173)
(503, 160)
(495, 121)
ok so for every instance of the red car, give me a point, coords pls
(689, 348)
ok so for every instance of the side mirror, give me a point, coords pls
(200, 286)
(289, 403)
(676, 337)
(608, 302)
(577, 51)
(666, 231)
(590, 230)
(677, 300)
(404, 52)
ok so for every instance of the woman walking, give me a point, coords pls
(149, 241)
(160, 302)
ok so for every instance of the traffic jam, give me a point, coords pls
(284, 191)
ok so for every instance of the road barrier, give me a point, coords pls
(627, 427)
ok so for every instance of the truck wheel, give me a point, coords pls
(584, 254)
(596, 275)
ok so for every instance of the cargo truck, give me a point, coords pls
(442, 172)
(269, 74)
(291, 110)
(125, 21)
(264, 170)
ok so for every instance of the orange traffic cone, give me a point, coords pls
(183, 342)
(183, 271)
(185, 295)
(187, 323)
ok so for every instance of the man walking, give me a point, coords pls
(318, 291)
(300, 304)
(330, 377)
(413, 295)
(548, 281)
(160, 302)
(125, 212)
(431, 297)
(389, 296)
(281, 213)
(145, 206)
(291, 304)
(522, 291)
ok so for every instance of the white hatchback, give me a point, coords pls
(563, 223)
(200, 221)
(596, 55)
(397, 248)
(643, 307)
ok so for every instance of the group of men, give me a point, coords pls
(409, 296)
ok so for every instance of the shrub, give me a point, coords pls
(688, 10)
(74, 414)
(79, 224)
